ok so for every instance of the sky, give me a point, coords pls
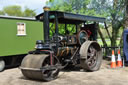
(32, 4)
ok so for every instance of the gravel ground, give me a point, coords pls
(105, 76)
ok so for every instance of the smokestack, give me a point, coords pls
(46, 24)
(46, 8)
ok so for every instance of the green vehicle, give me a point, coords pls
(17, 36)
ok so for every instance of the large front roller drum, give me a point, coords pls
(90, 56)
(32, 64)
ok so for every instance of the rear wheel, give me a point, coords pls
(91, 56)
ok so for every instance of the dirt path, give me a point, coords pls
(105, 76)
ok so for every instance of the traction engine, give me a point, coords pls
(60, 51)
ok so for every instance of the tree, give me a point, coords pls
(74, 6)
(114, 12)
(101, 7)
(14, 10)
(126, 14)
(117, 16)
(29, 13)
(1, 12)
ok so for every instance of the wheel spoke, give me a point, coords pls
(92, 50)
(90, 58)
(50, 74)
(89, 54)
(93, 55)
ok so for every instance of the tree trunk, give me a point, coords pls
(102, 38)
(113, 41)
(126, 15)
(115, 30)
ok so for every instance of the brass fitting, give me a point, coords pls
(46, 8)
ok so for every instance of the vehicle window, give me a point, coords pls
(71, 29)
(21, 29)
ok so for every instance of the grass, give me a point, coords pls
(107, 41)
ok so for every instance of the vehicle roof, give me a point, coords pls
(17, 18)
(70, 18)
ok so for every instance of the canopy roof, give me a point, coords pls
(70, 18)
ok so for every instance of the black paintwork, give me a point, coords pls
(70, 18)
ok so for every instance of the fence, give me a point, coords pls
(107, 51)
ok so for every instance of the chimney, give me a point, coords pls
(46, 24)
(46, 8)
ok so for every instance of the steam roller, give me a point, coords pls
(59, 51)
(32, 67)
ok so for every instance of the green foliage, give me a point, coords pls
(29, 13)
(113, 10)
(1, 12)
(86, 7)
(16, 10)
(74, 6)
(13, 10)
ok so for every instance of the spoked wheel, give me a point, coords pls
(91, 56)
(50, 74)
(37, 67)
